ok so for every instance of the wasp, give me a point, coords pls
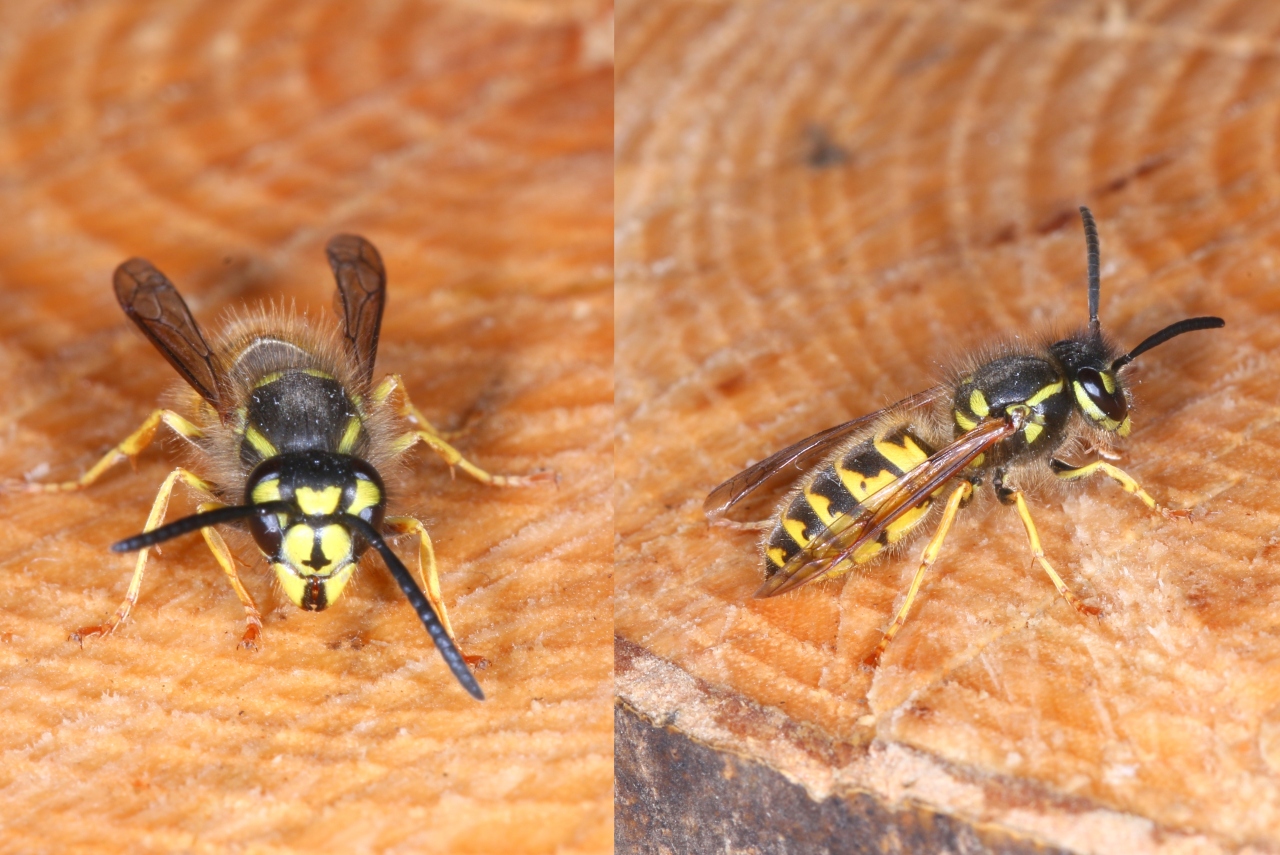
(1007, 420)
(286, 424)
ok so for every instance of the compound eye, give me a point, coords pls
(1103, 392)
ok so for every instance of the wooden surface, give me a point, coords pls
(226, 142)
(816, 205)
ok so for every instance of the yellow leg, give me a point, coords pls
(1126, 482)
(957, 498)
(158, 509)
(427, 571)
(425, 433)
(393, 382)
(129, 448)
(1033, 537)
(252, 618)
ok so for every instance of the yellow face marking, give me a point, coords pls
(821, 505)
(299, 546)
(1032, 432)
(259, 442)
(367, 495)
(862, 486)
(904, 454)
(349, 436)
(1044, 394)
(795, 528)
(317, 502)
(964, 421)
(298, 543)
(1108, 382)
(978, 404)
(1091, 410)
(266, 491)
(295, 586)
(335, 543)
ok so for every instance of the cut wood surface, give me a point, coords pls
(818, 205)
(226, 142)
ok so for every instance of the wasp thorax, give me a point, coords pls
(311, 549)
(1028, 384)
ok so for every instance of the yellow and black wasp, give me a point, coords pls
(1005, 418)
(286, 423)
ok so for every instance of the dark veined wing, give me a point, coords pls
(846, 533)
(362, 290)
(800, 456)
(149, 298)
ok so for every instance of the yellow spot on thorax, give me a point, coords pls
(1044, 394)
(978, 404)
(350, 435)
(259, 442)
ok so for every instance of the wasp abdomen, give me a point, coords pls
(840, 488)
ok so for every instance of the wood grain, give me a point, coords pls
(226, 142)
(817, 206)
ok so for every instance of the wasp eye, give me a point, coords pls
(1102, 390)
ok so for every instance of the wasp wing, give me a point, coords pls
(847, 532)
(799, 456)
(150, 300)
(362, 290)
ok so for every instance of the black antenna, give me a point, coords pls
(177, 528)
(421, 605)
(452, 656)
(1095, 264)
(1189, 325)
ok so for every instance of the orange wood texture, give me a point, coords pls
(817, 206)
(226, 142)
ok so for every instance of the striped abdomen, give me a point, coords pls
(840, 486)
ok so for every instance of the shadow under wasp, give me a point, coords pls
(290, 432)
(881, 476)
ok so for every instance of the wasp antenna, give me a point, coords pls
(1095, 264)
(195, 522)
(452, 655)
(1189, 325)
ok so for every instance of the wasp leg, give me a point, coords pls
(252, 617)
(427, 572)
(1067, 472)
(393, 382)
(1033, 538)
(158, 508)
(958, 497)
(425, 433)
(128, 449)
(734, 525)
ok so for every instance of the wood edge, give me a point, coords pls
(703, 765)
